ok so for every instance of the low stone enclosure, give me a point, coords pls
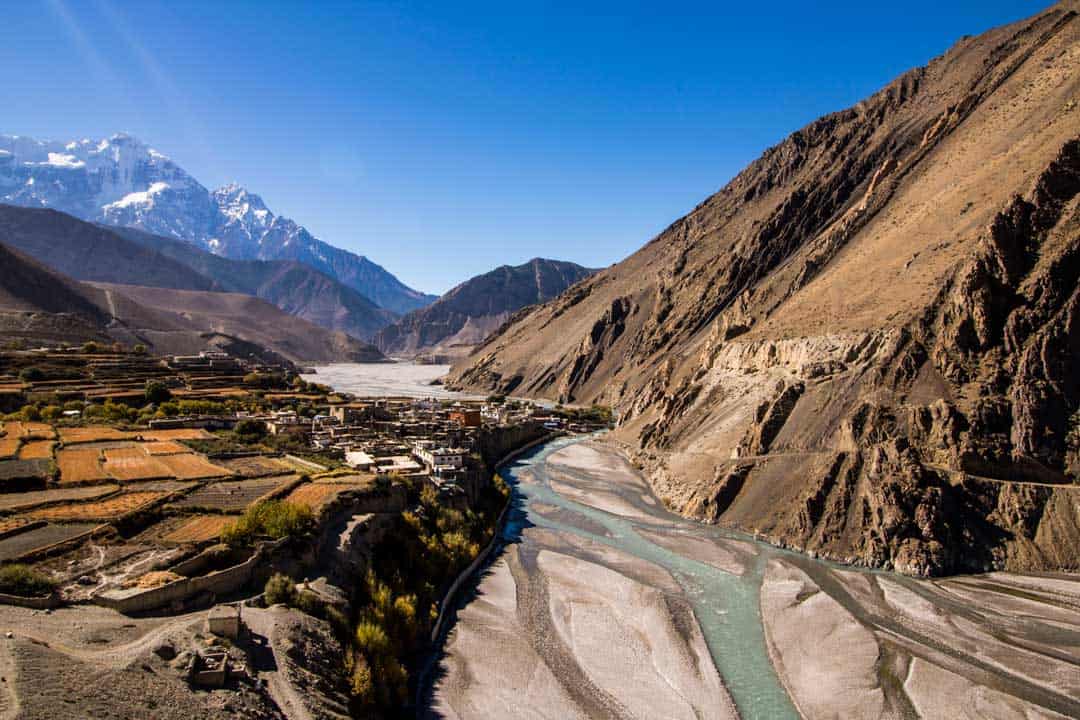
(196, 581)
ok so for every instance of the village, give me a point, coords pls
(167, 485)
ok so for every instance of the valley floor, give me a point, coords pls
(605, 605)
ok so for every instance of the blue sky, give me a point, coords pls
(442, 139)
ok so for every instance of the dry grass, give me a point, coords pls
(133, 464)
(37, 450)
(165, 447)
(108, 509)
(153, 579)
(93, 433)
(177, 434)
(191, 467)
(80, 465)
(202, 528)
(9, 445)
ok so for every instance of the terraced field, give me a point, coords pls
(93, 433)
(80, 465)
(201, 528)
(29, 430)
(22, 543)
(315, 494)
(26, 500)
(9, 446)
(165, 447)
(37, 450)
(104, 510)
(177, 434)
(168, 486)
(134, 464)
(191, 467)
(232, 496)
(257, 466)
(11, 525)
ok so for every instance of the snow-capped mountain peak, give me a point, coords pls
(120, 180)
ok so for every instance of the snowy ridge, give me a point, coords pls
(122, 181)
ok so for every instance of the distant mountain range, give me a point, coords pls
(97, 253)
(466, 315)
(121, 181)
(40, 305)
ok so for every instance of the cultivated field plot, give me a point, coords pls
(134, 464)
(14, 473)
(165, 447)
(42, 537)
(29, 430)
(354, 479)
(257, 466)
(177, 434)
(313, 495)
(107, 509)
(232, 496)
(9, 445)
(166, 486)
(33, 498)
(93, 433)
(80, 465)
(201, 528)
(37, 450)
(191, 467)
(10, 526)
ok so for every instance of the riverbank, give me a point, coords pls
(606, 605)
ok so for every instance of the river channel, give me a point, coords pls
(603, 604)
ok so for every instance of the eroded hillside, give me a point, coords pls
(863, 346)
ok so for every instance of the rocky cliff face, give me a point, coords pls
(865, 345)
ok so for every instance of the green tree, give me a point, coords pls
(157, 392)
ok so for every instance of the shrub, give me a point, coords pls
(31, 374)
(90, 347)
(25, 581)
(139, 349)
(280, 589)
(156, 392)
(30, 413)
(251, 430)
(50, 412)
(272, 518)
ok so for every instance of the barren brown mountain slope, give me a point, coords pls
(866, 344)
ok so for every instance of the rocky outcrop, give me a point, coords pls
(865, 345)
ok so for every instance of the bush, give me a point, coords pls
(272, 518)
(25, 581)
(31, 374)
(139, 349)
(50, 412)
(157, 392)
(30, 413)
(280, 589)
(90, 347)
(266, 381)
(251, 430)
